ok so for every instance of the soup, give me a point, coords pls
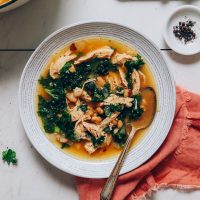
(4, 1)
(87, 92)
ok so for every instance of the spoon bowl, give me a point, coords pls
(148, 115)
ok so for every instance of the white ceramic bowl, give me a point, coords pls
(149, 143)
(12, 4)
(183, 13)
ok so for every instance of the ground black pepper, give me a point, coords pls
(183, 31)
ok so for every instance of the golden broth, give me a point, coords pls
(4, 1)
(86, 46)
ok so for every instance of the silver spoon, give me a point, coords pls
(143, 122)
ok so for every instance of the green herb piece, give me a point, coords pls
(9, 156)
(90, 87)
(49, 110)
(57, 129)
(136, 112)
(80, 54)
(65, 68)
(134, 64)
(120, 137)
(96, 66)
(55, 118)
(106, 90)
(53, 87)
(84, 107)
(108, 130)
(109, 109)
(67, 126)
(64, 145)
(99, 95)
(96, 141)
(71, 80)
(119, 90)
(129, 80)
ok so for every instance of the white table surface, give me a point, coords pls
(21, 31)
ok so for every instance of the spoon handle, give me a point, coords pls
(109, 186)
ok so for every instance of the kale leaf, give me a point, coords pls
(129, 80)
(52, 86)
(67, 126)
(65, 69)
(109, 109)
(55, 118)
(134, 64)
(98, 95)
(96, 66)
(136, 112)
(90, 87)
(71, 80)
(48, 109)
(83, 107)
(101, 94)
(119, 137)
(96, 141)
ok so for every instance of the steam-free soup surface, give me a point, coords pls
(83, 47)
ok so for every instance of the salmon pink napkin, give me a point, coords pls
(176, 164)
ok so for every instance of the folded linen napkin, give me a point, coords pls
(176, 164)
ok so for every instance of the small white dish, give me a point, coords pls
(183, 13)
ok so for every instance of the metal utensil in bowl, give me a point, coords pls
(143, 122)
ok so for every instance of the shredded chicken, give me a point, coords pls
(85, 96)
(114, 99)
(94, 129)
(77, 92)
(75, 112)
(80, 92)
(89, 147)
(60, 62)
(123, 77)
(114, 80)
(136, 82)
(143, 76)
(121, 58)
(108, 120)
(80, 131)
(103, 52)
